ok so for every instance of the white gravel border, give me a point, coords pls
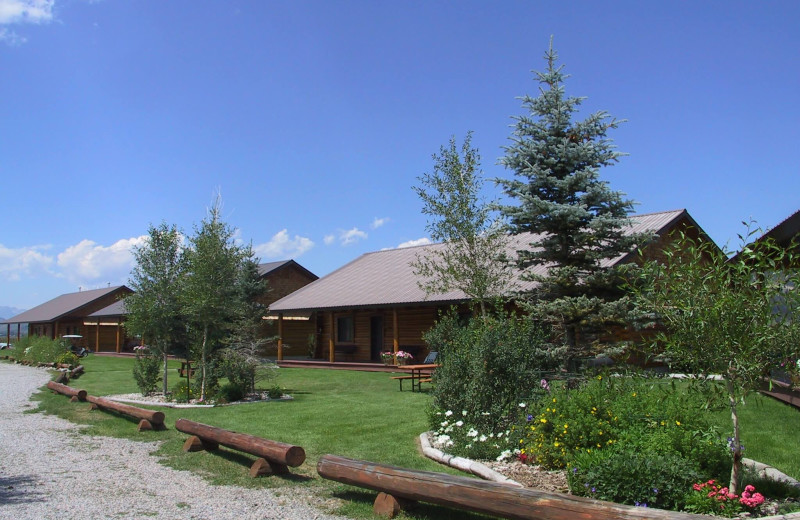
(49, 470)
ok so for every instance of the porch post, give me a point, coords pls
(395, 332)
(97, 335)
(119, 329)
(19, 330)
(280, 336)
(331, 349)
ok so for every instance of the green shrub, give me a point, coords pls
(182, 392)
(630, 476)
(239, 369)
(275, 392)
(39, 349)
(487, 366)
(146, 371)
(229, 393)
(68, 358)
(631, 410)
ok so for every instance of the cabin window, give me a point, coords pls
(345, 329)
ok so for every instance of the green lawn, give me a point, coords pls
(360, 415)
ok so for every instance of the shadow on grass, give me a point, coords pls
(247, 461)
(418, 511)
(19, 489)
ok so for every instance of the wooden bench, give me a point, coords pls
(186, 366)
(274, 457)
(148, 419)
(403, 378)
(400, 488)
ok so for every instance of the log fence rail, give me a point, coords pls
(273, 457)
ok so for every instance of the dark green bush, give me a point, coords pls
(229, 393)
(146, 371)
(275, 392)
(487, 366)
(630, 476)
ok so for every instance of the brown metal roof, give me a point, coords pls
(64, 305)
(115, 309)
(268, 267)
(386, 278)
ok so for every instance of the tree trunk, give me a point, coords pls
(736, 469)
(203, 365)
(165, 374)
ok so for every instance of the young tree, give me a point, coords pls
(732, 317)
(470, 258)
(578, 221)
(212, 295)
(154, 308)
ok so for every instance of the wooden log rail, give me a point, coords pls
(148, 419)
(400, 488)
(273, 457)
(74, 393)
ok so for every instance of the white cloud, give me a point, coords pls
(351, 236)
(11, 38)
(88, 262)
(26, 11)
(282, 246)
(412, 243)
(329, 239)
(378, 222)
(27, 261)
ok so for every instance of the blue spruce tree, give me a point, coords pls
(579, 222)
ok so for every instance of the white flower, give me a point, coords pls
(448, 413)
(445, 423)
(459, 423)
(483, 438)
(464, 413)
(503, 456)
(522, 405)
(472, 432)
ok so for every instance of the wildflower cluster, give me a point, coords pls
(457, 435)
(556, 432)
(711, 498)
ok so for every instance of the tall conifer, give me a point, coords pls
(578, 220)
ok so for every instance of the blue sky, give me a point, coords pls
(314, 118)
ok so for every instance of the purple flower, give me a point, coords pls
(530, 417)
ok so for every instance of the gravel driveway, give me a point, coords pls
(50, 471)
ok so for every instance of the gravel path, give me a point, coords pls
(48, 470)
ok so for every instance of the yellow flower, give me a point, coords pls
(678, 423)
(543, 420)
(634, 394)
(554, 399)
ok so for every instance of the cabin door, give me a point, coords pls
(375, 337)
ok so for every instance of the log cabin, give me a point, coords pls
(375, 303)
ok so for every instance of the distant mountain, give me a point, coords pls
(9, 312)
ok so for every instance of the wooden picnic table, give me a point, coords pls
(418, 374)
